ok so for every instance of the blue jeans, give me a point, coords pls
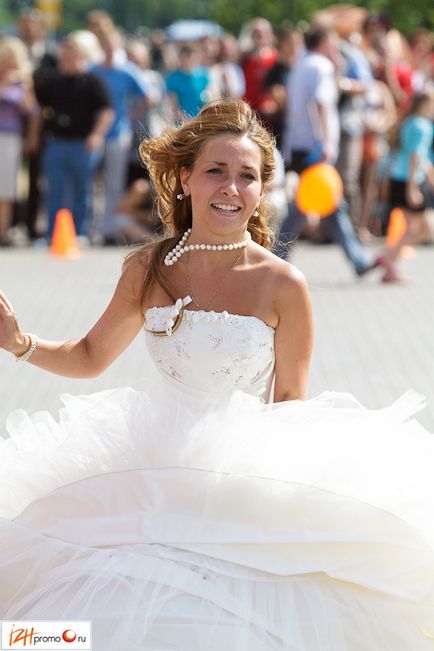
(68, 167)
(117, 152)
(337, 227)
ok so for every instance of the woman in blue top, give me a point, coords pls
(410, 169)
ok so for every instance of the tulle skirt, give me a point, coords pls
(175, 520)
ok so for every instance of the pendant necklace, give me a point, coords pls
(217, 289)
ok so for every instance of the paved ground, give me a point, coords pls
(372, 340)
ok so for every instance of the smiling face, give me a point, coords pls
(225, 186)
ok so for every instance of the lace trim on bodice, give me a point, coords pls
(154, 321)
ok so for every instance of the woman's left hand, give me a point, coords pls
(414, 195)
(94, 141)
(30, 145)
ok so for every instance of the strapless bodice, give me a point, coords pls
(213, 352)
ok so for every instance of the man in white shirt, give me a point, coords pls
(312, 119)
(312, 135)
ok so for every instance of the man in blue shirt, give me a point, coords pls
(128, 95)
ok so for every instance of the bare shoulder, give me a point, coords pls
(291, 292)
(286, 284)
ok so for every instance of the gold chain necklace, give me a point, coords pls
(217, 289)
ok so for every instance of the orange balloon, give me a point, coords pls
(320, 190)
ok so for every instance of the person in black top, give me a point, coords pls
(275, 83)
(76, 116)
(42, 52)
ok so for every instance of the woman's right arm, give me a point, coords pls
(413, 191)
(293, 335)
(90, 355)
(419, 136)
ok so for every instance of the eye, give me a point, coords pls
(214, 170)
(249, 176)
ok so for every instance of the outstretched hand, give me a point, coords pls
(11, 338)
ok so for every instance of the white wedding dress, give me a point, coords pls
(194, 516)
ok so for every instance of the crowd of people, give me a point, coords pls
(216, 506)
(349, 90)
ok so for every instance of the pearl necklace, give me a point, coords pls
(174, 255)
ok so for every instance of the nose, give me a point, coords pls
(229, 187)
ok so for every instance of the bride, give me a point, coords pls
(219, 508)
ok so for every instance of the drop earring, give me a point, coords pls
(256, 213)
(181, 196)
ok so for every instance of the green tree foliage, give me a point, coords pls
(8, 13)
(231, 14)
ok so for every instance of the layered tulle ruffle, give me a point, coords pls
(181, 521)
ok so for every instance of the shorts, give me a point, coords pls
(398, 199)
(10, 159)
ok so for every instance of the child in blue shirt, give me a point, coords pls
(410, 169)
(189, 85)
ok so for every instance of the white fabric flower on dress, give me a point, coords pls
(174, 313)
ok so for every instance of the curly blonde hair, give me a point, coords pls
(179, 147)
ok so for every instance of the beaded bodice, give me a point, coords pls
(213, 352)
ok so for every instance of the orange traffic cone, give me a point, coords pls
(64, 242)
(396, 228)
